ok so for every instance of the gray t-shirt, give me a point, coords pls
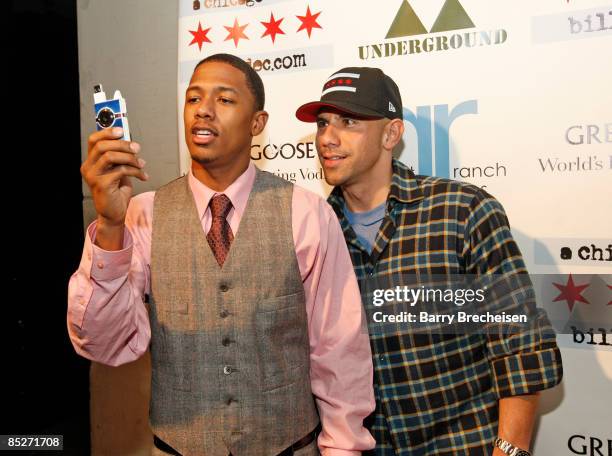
(366, 224)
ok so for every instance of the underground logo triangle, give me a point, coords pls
(406, 23)
(452, 17)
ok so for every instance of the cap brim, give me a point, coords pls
(310, 111)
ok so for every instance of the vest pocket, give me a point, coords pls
(282, 340)
(174, 354)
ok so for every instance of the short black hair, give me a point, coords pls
(254, 82)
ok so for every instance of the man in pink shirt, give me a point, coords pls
(241, 283)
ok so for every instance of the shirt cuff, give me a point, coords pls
(110, 265)
(527, 373)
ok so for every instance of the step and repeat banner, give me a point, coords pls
(513, 96)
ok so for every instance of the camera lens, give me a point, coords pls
(106, 117)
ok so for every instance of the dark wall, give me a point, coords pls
(45, 384)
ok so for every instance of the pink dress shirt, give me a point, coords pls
(109, 323)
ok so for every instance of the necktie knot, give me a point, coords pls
(220, 205)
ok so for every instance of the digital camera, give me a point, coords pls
(110, 113)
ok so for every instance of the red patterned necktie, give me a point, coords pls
(220, 235)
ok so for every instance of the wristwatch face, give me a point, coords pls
(523, 453)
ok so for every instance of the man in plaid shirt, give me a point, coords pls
(436, 394)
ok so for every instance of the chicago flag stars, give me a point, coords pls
(236, 32)
(571, 293)
(199, 36)
(309, 21)
(272, 27)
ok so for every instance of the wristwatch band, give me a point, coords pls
(510, 449)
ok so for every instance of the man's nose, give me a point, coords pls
(206, 109)
(328, 136)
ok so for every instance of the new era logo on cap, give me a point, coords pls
(359, 91)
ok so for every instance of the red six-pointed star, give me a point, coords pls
(272, 27)
(570, 293)
(309, 21)
(236, 32)
(199, 36)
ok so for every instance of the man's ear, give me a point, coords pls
(260, 119)
(392, 133)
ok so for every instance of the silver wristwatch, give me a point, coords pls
(510, 449)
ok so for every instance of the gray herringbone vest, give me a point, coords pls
(229, 347)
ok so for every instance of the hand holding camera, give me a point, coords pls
(111, 159)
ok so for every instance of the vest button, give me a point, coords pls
(226, 341)
(227, 370)
(224, 288)
(224, 313)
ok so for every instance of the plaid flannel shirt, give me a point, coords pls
(438, 394)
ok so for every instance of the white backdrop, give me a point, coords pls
(514, 96)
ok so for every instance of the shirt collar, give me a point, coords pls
(405, 187)
(238, 191)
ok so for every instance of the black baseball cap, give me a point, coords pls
(362, 91)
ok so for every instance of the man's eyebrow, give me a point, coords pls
(225, 89)
(341, 116)
(216, 89)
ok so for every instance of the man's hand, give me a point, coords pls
(110, 162)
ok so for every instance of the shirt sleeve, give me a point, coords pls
(527, 359)
(107, 317)
(341, 369)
